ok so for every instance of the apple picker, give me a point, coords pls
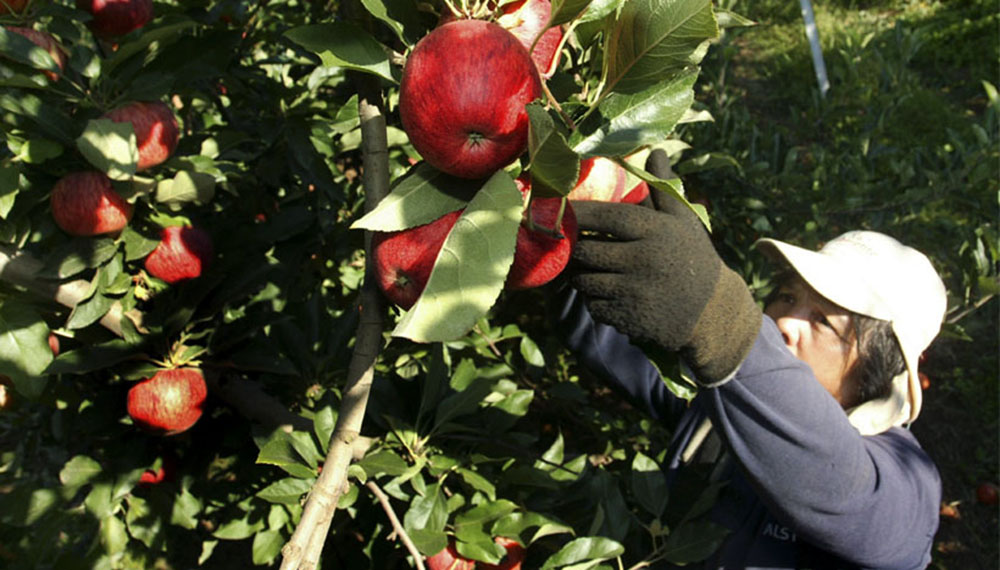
(802, 409)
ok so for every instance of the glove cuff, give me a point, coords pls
(725, 332)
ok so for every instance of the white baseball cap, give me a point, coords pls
(872, 274)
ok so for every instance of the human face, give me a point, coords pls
(817, 332)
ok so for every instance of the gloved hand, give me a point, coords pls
(654, 275)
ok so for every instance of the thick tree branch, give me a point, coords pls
(303, 550)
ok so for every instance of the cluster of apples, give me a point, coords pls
(86, 204)
(462, 103)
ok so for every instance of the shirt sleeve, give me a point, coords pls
(608, 354)
(872, 500)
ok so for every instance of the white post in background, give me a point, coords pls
(817, 51)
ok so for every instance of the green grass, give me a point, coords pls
(905, 142)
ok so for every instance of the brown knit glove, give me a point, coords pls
(654, 275)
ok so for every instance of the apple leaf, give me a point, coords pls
(24, 348)
(471, 267)
(693, 541)
(155, 39)
(22, 50)
(627, 122)
(649, 484)
(401, 16)
(566, 11)
(422, 196)
(340, 44)
(53, 120)
(599, 9)
(186, 186)
(425, 520)
(110, 147)
(655, 39)
(10, 177)
(674, 187)
(554, 166)
(584, 549)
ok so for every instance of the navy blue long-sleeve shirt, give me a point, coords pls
(805, 489)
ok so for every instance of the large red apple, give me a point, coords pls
(113, 18)
(45, 41)
(541, 253)
(12, 6)
(449, 559)
(513, 559)
(404, 259)
(604, 180)
(156, 130)
(463, 94)
(85, 204)
(183, 253)
(168, 403)
(526, 19)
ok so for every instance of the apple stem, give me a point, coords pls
(555, 105)
(553, 232)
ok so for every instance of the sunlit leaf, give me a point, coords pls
(422, 196)
(24, 347)
(554, 166)
(471, 267)
(110, 146)
(590, 548)
(649, 484)
(342, 44)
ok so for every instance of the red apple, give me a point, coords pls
(925, 381)
(156, 130)
(45, 41)
(166, 471)
(183, 253)
(987, 494)
(513, 559)
(85, 204)
(113, 18)
(449, 559)
(12, 6)
(54, 344)
(541, 255)
(404, 259)
(463, 94)
(526, 19)
(168, 403)
(604, 180)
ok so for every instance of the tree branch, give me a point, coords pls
(303, 550)
(397, 527)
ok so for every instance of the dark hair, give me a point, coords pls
(880, 358)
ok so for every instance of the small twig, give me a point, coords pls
(968, 310)
(555, 105)
(383, 499)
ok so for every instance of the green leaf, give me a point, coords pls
(22, 50)
(401, 16)
(422, 196)
(93, 357)
(137, 245)
(471, 267)
(383, 462)
(186, 508)
(89, 311)
(324, 423)
(566, 11)
(39, 150)
(267, 546)
(100, 501)
(424, 521)
(693, 541)
(478, 482)
(110, 147)
(24, 348)
(531, 353)
(471, 524)
(79, 471)
(463, 402)
(24, 506)
(288, 491)
(114, 537)
(649, 484)
(627, 122)
(186, 186)
(284, 451)
(53, 121)
(654, 39)
(514, 524)
(76, 255)
(10, 178)
(341, 44)
(239, 529)
(554, 166)
(673, 187)
(143, 524)
(589, 548)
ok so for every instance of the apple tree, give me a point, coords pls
(203, 361)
